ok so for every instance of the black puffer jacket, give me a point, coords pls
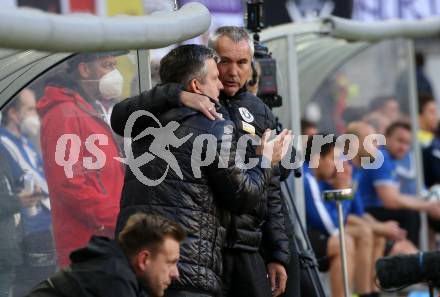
(193, 202)
(251, 115)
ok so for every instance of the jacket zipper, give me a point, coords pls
(101, 185)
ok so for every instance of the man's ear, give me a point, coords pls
(12, 114)
(84, 70)
(193, 86)
(143, 260)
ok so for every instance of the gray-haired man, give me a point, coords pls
(245, 271)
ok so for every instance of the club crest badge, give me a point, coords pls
(246, 115)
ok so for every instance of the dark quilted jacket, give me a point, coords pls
(264, 227)
(192, 202)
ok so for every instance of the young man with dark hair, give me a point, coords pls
(320, 174)
(388, 229)
(308, 128)
(142, 260)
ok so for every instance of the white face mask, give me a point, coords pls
(30, 126)
(110, 85)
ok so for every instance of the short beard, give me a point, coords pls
(146, 287)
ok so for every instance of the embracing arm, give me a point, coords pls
(157, 100)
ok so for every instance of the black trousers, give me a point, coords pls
(407, 219)
(244, 275)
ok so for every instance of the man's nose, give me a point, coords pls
(220, 85)
(175, 273)
(233, 70)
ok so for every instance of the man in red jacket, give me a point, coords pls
(79, 150)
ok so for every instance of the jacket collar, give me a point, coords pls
(224, 98)
(176, 114)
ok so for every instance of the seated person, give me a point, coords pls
(380, 189)
(389, 230)
(143, 258)
(431, 161)
(431, 173)
(322, 221)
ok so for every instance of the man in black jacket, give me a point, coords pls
(251, 116)
(143, 260)
(245, 270)
(193, 193)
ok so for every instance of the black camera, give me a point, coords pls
(267, 87)
(398, 272)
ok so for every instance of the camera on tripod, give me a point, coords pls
(267, 86)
